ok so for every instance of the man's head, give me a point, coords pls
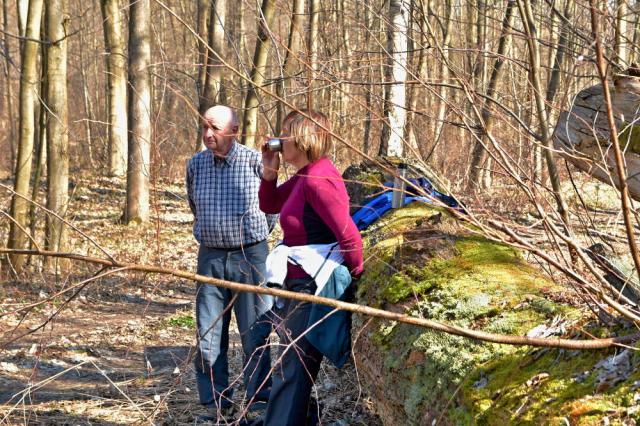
(219, 129)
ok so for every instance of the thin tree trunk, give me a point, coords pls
(116, 86)
(444, 72)
(23, 12)
(88, 109)
(397, 49)
(202, 28)
(526, 14)
(57, 127)
(7, 74)
(366, 144)
(293, 47)
(554, 80)
(479, 153)
(213, 87)
(41, 149)
(28, 91)
(251, 104)
(139, 98)
(312, 49)
(621, 43)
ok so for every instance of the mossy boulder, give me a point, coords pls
(423, 261)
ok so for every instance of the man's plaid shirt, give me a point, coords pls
(223, 196)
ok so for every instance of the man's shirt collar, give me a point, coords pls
(229, 158)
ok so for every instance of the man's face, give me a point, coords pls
(218, 133)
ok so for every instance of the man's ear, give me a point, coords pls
(235, 129)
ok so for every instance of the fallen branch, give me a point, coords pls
(351, 307)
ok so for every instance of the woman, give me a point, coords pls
(319, 237)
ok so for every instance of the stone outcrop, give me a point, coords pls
(582, 134)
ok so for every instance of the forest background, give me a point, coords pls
(101, 101)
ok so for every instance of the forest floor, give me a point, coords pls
(121, 351)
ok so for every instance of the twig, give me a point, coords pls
(351, 307)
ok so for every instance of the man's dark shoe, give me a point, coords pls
(215, 415)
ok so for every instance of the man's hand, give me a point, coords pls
(270, 163)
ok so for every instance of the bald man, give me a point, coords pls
(222, 187)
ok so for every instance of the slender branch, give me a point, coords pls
(351, 307)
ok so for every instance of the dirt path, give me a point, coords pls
(121, 352)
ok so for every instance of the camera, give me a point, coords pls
(274, 145)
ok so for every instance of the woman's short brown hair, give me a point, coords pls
(311, 135)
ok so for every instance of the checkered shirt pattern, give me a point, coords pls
(223, 196)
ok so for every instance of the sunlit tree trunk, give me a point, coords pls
(116, 86)
(57, 128)
(479, 153)
(8, 76)
(213, 86)
(41, 148)
(139, 100)
(396, 104)
(28, 94)
(251, 104)
(444, 71)
(23, 12)
(202, 28)
(312, 49)
(291, 56)
(524, 6)
(621, 43)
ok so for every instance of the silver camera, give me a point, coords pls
(274, 145)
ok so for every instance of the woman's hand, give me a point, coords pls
(270, 163)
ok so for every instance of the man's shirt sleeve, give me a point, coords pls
(189, 180)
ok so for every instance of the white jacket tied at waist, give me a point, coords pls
(317, 260)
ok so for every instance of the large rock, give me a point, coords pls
(582, 134)
(424, 262)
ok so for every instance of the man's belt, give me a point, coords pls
(242, 247)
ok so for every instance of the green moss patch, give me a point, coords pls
(439, 269)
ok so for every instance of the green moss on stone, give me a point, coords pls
(448, 274)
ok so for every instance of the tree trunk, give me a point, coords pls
(204, 10)
(397, 50)
(293, 53)
(621, 43)
(116, 86)
(57, 128)
(312, 49)
(88, 108)
(479, 153)
(9, 93)
(28, 90)
(41, 148)
(533, 49)
(23, 12)
(139, 98)
(213, 86)
(444, 72)
(251, 104)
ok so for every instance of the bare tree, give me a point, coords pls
(116, 86)
(213, 91)
(258, 73)
(621, 40)
(28, 93)
(479, 153)
(57, 125)
(8, 76)
(397, 74)
(139, 98)
(292, 53)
